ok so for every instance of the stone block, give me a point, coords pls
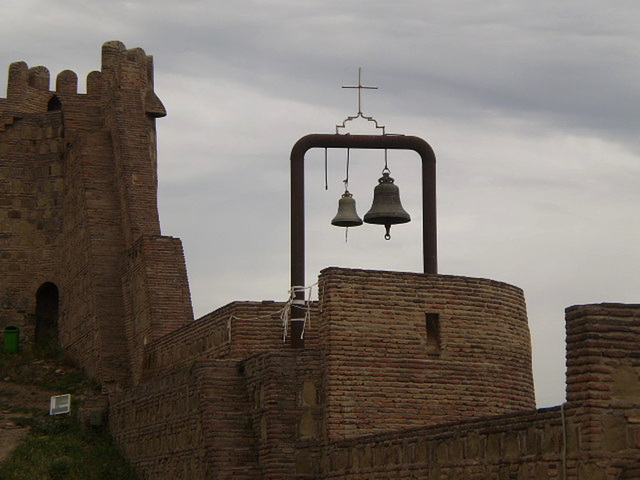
(614, 432)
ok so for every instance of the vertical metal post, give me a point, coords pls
(297, 248)
(375, 142)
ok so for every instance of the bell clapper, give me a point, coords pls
(387, 236)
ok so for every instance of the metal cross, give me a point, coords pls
(360, 87)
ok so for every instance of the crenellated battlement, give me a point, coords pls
(22, 80)
(114, 51)
(57, 148)
(29, 88)
(67, 82)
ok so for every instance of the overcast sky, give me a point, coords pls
(531, 108)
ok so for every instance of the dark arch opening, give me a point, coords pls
(47, 300)
(54, 104)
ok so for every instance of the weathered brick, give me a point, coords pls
(403, 375)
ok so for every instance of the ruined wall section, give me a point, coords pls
(407, 350)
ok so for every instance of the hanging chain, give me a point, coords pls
(326, 175)
(346, 180)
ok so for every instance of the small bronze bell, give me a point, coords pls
(346, 216)
(386, 208)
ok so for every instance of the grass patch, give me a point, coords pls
(46, 366)
(57, 447)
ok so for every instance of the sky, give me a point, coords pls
(531, 107)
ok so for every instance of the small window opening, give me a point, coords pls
(47, 300)
(54, 104)
(433, 333)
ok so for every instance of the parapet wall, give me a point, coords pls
(369, 365)
(518, 446)
(238, 330)
(540, 445)
(594, 436)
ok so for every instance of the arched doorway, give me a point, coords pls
(47, 300)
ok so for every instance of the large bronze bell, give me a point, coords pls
(346, 216)
(386, 208)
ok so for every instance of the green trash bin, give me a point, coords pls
(11, 339)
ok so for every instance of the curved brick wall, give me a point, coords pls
(382, 370)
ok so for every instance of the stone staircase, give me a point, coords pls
(226, 420)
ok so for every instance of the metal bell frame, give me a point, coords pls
(366, 142)
(376, 142)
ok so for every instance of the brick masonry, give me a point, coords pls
(403, 375)
(79, 210)
(382, 372)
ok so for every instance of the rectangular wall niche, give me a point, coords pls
(433, 333)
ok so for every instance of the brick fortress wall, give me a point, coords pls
(281, 405)
(403, 375)
(368, 366)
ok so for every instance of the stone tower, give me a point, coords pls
(81, 253)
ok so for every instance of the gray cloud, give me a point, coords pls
(531, 108)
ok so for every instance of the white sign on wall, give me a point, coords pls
(60, 404)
